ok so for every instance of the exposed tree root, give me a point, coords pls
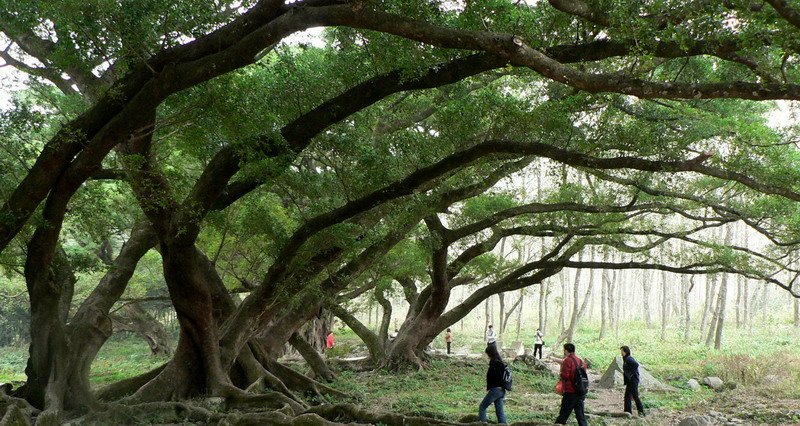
(353, 413)
(274, 400)
(268, 380)
(127, 387)
(150, 413)
(358, 365)
(278, 419)
(8, 402)
(189, 412)
(298, 382)
(13, 416)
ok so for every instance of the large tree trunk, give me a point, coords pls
(196, 367)
(50, 286)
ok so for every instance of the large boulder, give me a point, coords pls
(713, 382)
(697, 421)
(613, 377)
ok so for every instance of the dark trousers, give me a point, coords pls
(537, 348)
(570, 402)
(448, 347)
(632, 393)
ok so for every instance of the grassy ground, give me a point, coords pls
(453, 387)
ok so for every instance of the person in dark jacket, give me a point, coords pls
(570, 400)
(630, 374)
(494, 384)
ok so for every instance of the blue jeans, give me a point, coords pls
(496, 395)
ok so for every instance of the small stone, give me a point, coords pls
(693, 385)
(712, 382)
(716, 414)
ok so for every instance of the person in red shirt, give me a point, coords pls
(330, 340)
(570, 400)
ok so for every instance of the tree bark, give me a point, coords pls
(386, 319)
(708, 303)
(135, 319)
(375, 346)
(646, 286)
(520, 315)
(721, 305)
(312, 357)
(664, 305)
(605, 299)
(544, 288)
(687, 308)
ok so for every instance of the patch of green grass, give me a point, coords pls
(121, 357)
(12, 363)
(449, 389)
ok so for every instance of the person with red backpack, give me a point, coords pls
(575, 385)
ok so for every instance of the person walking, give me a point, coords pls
(494, 385)
(448, 338)
(491, 337)
(570, 399)
(630, 375)
(538, 343)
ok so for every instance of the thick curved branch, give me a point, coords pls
(790, 14)
(582, 10)
(125, 108)
(519, 53)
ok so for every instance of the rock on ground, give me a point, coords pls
(697, 421)
(712, 382)
(613, 377)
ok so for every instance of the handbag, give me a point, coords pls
(560, 387)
